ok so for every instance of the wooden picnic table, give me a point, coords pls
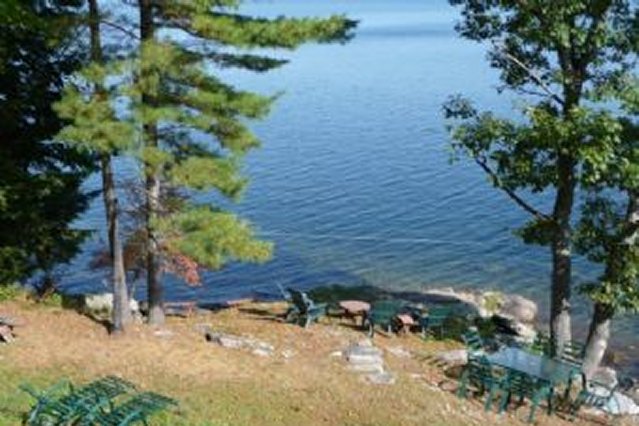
(355, 308)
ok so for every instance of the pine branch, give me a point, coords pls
(119, 27)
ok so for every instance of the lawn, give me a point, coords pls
(303, 382)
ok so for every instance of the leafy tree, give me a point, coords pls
(40, 181)
(608, 232)
(553, 53)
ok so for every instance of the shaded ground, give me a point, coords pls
(219, 386)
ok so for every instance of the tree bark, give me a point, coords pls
(561, 248)
(616, 266)
(121, 309)
(153, 270)
(598, 337)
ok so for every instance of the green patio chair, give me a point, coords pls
(383, 313)
(573, 354)
(435, 319)
(479, 373)
(62, 408)
(137, 409)
(593, 394)
(304, 310)
(524, 386)
(473, 341)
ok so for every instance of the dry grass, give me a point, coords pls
(218, 386)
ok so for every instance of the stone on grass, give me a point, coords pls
(399, 352)
(232, 341)
(454, 357)
(163, 333)
(262, 352)
(289, 353)
(381, 378)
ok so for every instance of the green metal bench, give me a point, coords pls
(137, 409)
(383, 313)
(304, 310)
(479, 373)
(524, 386)
(61, 407)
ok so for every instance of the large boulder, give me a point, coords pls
(95, 304)
(519, 308)
(522, 332)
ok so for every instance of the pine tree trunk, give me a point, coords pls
(560, 323)
(121, 305)
(153, 271)
(121, 309)
(598, 337)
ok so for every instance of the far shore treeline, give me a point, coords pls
(80, 86)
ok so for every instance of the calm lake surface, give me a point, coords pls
(354, 184)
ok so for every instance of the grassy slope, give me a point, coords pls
(218, 386)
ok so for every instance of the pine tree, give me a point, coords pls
(40, 181)
(94, 128)
(194, 125)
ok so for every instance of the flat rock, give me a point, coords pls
(455, 357)
(289, 353)
(383, 378)
(262, 352)
(367, 368)
(399, 352)
(164, 334)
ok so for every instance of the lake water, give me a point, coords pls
(354, 184)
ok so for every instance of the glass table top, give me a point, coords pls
(537, 366)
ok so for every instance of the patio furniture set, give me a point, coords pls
(511, 371)
(531, 373)
(108, 401)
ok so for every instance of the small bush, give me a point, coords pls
(53, 300)
(10, 292)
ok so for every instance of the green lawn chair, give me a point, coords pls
(593, 394)
(523, 386)
(135, 410)
(473, 341)
(56, 408)
(303, 310)
(383, 313)
(479, 373)
(435, 319)
(573, 354)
